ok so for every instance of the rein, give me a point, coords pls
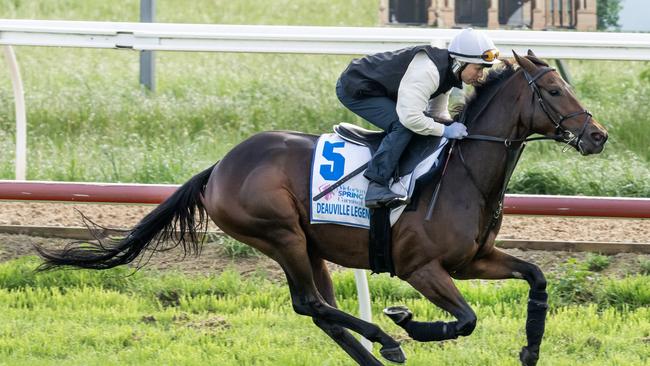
(505, 141)
(509, 142)
(514, 147)
(562, 134)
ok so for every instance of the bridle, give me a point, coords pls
(515, 146)
(561, 133)
(567, 136)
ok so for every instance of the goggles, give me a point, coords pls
(487, 56)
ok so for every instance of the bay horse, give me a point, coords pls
(259, 194)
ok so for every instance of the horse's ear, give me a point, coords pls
(525, 63)
(536, 60)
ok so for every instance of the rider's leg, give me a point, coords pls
(382, 166)
(380, 111)
(384, 162)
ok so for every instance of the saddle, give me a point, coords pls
(417, 150)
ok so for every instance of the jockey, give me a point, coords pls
(392, 90)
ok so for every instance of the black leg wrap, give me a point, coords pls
(537, 308)
(431, 331)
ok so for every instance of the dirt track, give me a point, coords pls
(514, 227)
(213, 258)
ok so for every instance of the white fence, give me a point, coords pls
(290, 39)
(314, 40)
(286, 39)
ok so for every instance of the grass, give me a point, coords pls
(278, 12)
(89, 120)
(107, 318)
(645, 266)
(235, 249)
(597, 262)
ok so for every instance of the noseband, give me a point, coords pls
(560, 131)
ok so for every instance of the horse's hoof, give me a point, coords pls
(528, 357)
(399, 314)
(393, 354)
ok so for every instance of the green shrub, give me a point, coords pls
(542, 182)
(543, 170)
(627, 293)
(644, 266)
(597, 262)
(574, 285)
(235, 249)
(644, 75)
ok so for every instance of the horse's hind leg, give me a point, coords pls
(339, 334)
(323, 280)
(433, 281)
(498, 265)
(306, 300)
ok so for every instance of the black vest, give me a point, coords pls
(379, 75)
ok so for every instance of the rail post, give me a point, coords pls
(363, 294)
(21, 115)
(147, 59)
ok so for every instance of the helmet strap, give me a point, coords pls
(457, 67)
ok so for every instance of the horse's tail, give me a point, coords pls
(174, 220)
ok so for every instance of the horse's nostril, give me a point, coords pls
(598, 137)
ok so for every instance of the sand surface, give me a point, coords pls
(514, 227)
(213, 258)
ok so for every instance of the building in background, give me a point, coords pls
(492, 14)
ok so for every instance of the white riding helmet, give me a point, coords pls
(473, 47)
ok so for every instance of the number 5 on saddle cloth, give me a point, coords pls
(338, 188)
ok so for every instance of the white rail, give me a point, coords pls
(287, 39)
(313, 40)
(293, 39)
(21, 114)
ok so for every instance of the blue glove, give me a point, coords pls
(455, 130)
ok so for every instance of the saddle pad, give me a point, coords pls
(333, 159)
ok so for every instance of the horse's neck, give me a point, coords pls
(486, 161)
(501, 116)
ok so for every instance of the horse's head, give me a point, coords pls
(556, 110)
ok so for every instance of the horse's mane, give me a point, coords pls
(482, 94)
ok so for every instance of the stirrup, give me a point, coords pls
(391, 203)
(396, 202)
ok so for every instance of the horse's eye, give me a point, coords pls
(554, 92)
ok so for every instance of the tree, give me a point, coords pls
(607, 11)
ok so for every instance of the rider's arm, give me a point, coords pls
(439, 107)
(419, 82)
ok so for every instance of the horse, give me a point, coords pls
(259, 194)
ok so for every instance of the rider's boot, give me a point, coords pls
(379, 195)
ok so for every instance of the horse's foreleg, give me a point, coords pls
(339, 334)
(433, 281)
(498, 265)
